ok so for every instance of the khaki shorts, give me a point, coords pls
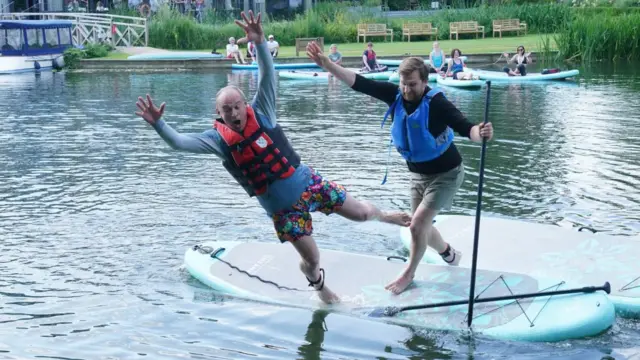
(436, 191)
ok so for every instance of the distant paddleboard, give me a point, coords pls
(541, 250)
(470, 84)
(389, 62)
(176, 55)
(324, 76)
(503, 76)
(269, 272)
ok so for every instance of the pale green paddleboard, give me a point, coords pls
(541, 250)
(359, 281)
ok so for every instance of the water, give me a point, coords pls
(97, 211)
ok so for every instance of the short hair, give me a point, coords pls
(411, 64)
(237, 89)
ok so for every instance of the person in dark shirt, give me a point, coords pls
(426, 143)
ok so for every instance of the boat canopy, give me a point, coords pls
(35, 37)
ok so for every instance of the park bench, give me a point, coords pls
(301, 44)
(509, 25)
(365, 30)
(411, 28)
(465, 27)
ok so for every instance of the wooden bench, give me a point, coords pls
(365, 30)
(509, 25)
(465, 27)
(301, 44)
(409, 29)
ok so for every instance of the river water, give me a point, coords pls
(97, 211)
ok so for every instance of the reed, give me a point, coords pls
(596, 38)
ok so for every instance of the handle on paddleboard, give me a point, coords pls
(392, 310)
(476, 234)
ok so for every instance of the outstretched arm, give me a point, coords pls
(202, 143)
(265, 99)
(199, 143)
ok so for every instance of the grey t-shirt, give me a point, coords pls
(335, 56)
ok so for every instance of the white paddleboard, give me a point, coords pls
(449, 81)
(542, 250)
(359, 281)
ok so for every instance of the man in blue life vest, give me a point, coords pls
(256, 152)
(422, 131)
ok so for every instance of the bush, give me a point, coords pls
(72, 56)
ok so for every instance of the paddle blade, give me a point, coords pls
(383, 312)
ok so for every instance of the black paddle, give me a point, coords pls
(393, 310)
(472, 286)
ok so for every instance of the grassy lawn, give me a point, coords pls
(116, 55)
(399, 48)
(466, 46)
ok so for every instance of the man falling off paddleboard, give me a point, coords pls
(423, 134)
(256, 152)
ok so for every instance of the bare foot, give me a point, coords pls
(400, 284)
(327, 296)
(398, 218)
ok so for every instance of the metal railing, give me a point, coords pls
(92, 28)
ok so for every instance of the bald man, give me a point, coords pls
(257, 153)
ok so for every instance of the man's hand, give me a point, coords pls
(315, 54)
(149, 112)
(252, 27)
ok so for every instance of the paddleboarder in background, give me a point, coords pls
(256, 152)
(434, 162)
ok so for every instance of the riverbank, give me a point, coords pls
(486, 50)
(202, 64)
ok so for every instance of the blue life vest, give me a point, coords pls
(457, 67)
(410, 133)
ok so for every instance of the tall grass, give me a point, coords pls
(595, 38)
(337, 22)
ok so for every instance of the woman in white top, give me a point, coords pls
(521, 58)
(233, 52)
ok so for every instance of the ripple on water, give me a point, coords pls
(97, 211)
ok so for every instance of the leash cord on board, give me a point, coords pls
(214, 254)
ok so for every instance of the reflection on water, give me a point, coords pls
(97, 211)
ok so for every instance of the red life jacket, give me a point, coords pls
(258, 156)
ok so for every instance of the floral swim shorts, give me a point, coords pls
(321, 195)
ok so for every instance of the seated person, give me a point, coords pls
(370, 61)
(273, 46)
(334, 55)
(521, 59)
(233, 52)
(455, 67)
(436, 60)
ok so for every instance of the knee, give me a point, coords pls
(419, 229)
(364, 213)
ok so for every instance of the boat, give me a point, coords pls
(33, 45)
